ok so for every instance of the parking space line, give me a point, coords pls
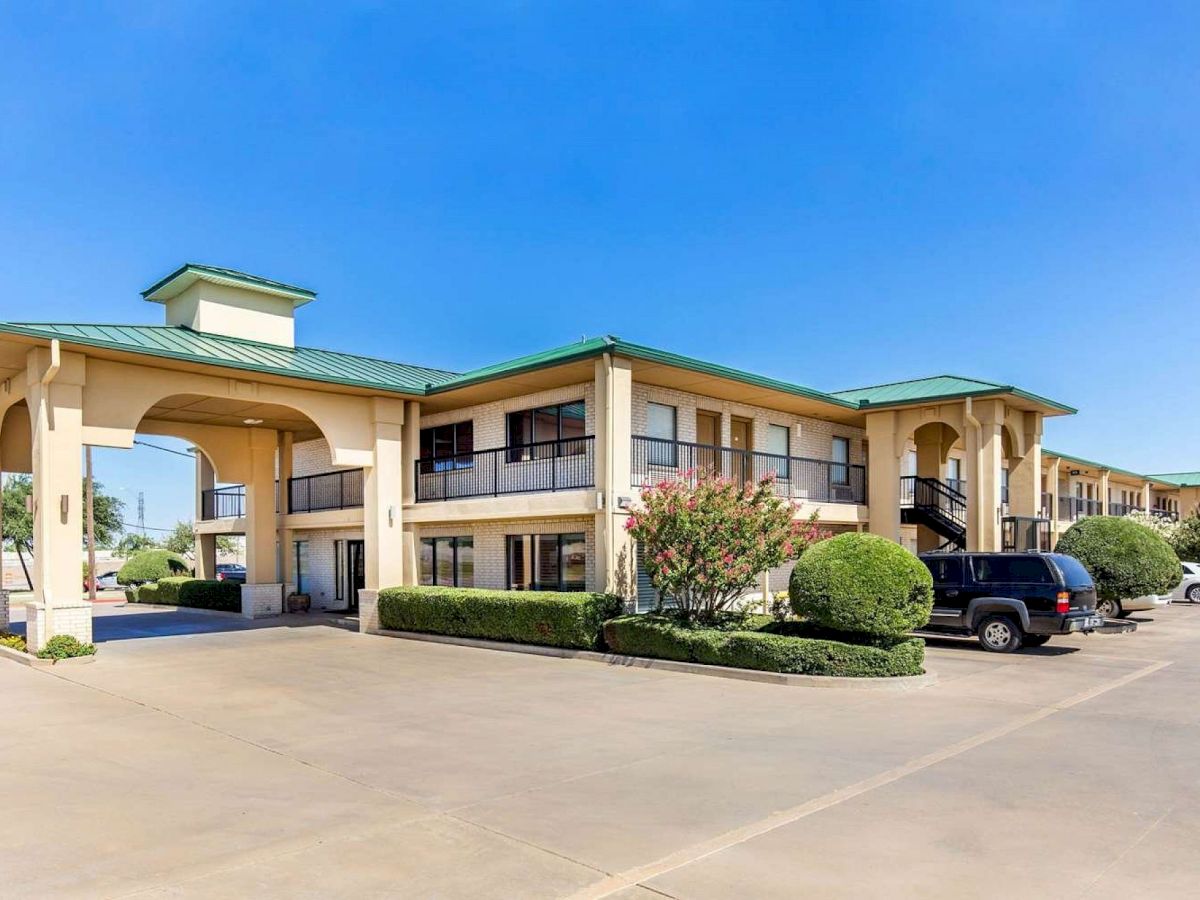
(696, 852)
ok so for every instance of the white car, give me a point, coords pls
(1119, 609)
(1189, 588)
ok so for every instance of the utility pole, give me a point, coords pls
(91, 526)
(142, 512)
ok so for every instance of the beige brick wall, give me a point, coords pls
(311, 458)
(490, 544)
(319, 581)
(809, 438)
(489, 418)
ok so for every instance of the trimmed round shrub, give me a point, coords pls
(64, 646)
(1125, 559)
(151, 565)
(862, 583)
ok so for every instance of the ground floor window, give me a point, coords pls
(547, 562)
(448, 561)
(301, 561)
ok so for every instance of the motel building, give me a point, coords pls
(347, 474)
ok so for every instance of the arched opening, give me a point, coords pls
(933, 491)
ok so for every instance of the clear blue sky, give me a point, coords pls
(831, 195)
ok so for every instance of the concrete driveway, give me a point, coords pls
(304, 760)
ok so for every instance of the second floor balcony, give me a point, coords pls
(342, 489)
(561, 465)
(796, 478)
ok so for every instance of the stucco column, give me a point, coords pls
(1146, 496)
(1025, 472)
(983, 490)
(410, 452)
(287, 559)
(260, 508)
(616, 564)
(883, 475)
(932, 442)
(54, 391)
(206, 544)
(383, 523)
(1104, 474)
(1052, 486)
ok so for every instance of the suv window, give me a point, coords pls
(945, 569)
(1004, 569)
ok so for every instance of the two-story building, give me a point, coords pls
(347, 473)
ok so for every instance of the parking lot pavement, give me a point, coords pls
(203, 756)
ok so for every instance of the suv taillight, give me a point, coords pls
(221, 577)
(1063, 602)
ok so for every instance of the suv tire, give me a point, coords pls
(1110, 609)
(999, 634)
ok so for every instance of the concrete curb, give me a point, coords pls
(902, 683)
(27, 659)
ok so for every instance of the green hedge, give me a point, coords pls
(526, 617)
(64, 646)
(758, 643)
(151, 565)
(862, 583)
(196, 593)
(1124, 558)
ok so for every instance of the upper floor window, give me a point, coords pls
(778, 439)
(563, 422)
(662, 424)
(447, 447)
(839, 472)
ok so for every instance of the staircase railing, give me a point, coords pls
(937, 501)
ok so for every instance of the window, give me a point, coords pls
(839, 472)
(1023, 569)
(301, 564)
(777, 445)
(447, 447)
(546, 562)
(448, 561)
(563, 422)
(954, 474)
(945, 570)
(910, 463)
(661, 424)
(1004, 485)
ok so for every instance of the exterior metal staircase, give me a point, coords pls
(937, 506)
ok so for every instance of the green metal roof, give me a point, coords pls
(937, 387)
(593, 347)
(1183, 479)
(222, 274)
(175, 342)
(1096, 465)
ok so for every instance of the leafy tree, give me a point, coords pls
(1125, 559)
(181, 540)
(707, 542)
(18, 521)
(1186, 539)
(134, 543)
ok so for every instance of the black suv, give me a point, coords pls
(1010, 600)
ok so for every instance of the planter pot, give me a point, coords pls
(298, 603)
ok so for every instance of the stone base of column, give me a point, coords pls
(43, 622)
(261, 601)
(4, 610)
(368, 611)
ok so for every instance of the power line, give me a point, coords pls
(144, 527)
(163, 449)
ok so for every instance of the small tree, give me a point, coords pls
(706, 543)
(1125, 559)
(1186, 540)
(134, 543)
(181, 540)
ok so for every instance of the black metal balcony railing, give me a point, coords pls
(796, 478)
(1122, 509)
(959, 485)
(223, 502)
(545, 466)
(1072, 508)
(330, 490)
(1168, 514)
(1047, 503)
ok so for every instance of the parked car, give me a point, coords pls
(1010, 600)
(1189, 588)
(105, 582)
(231, 572)
(1119, 609)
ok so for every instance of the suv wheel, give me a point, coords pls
(1193, 593)
(999, 634)
(1110, 609)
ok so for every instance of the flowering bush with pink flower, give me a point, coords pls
(706, 539)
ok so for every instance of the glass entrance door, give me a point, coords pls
(356, 573)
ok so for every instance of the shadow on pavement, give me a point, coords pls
(130, 626)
